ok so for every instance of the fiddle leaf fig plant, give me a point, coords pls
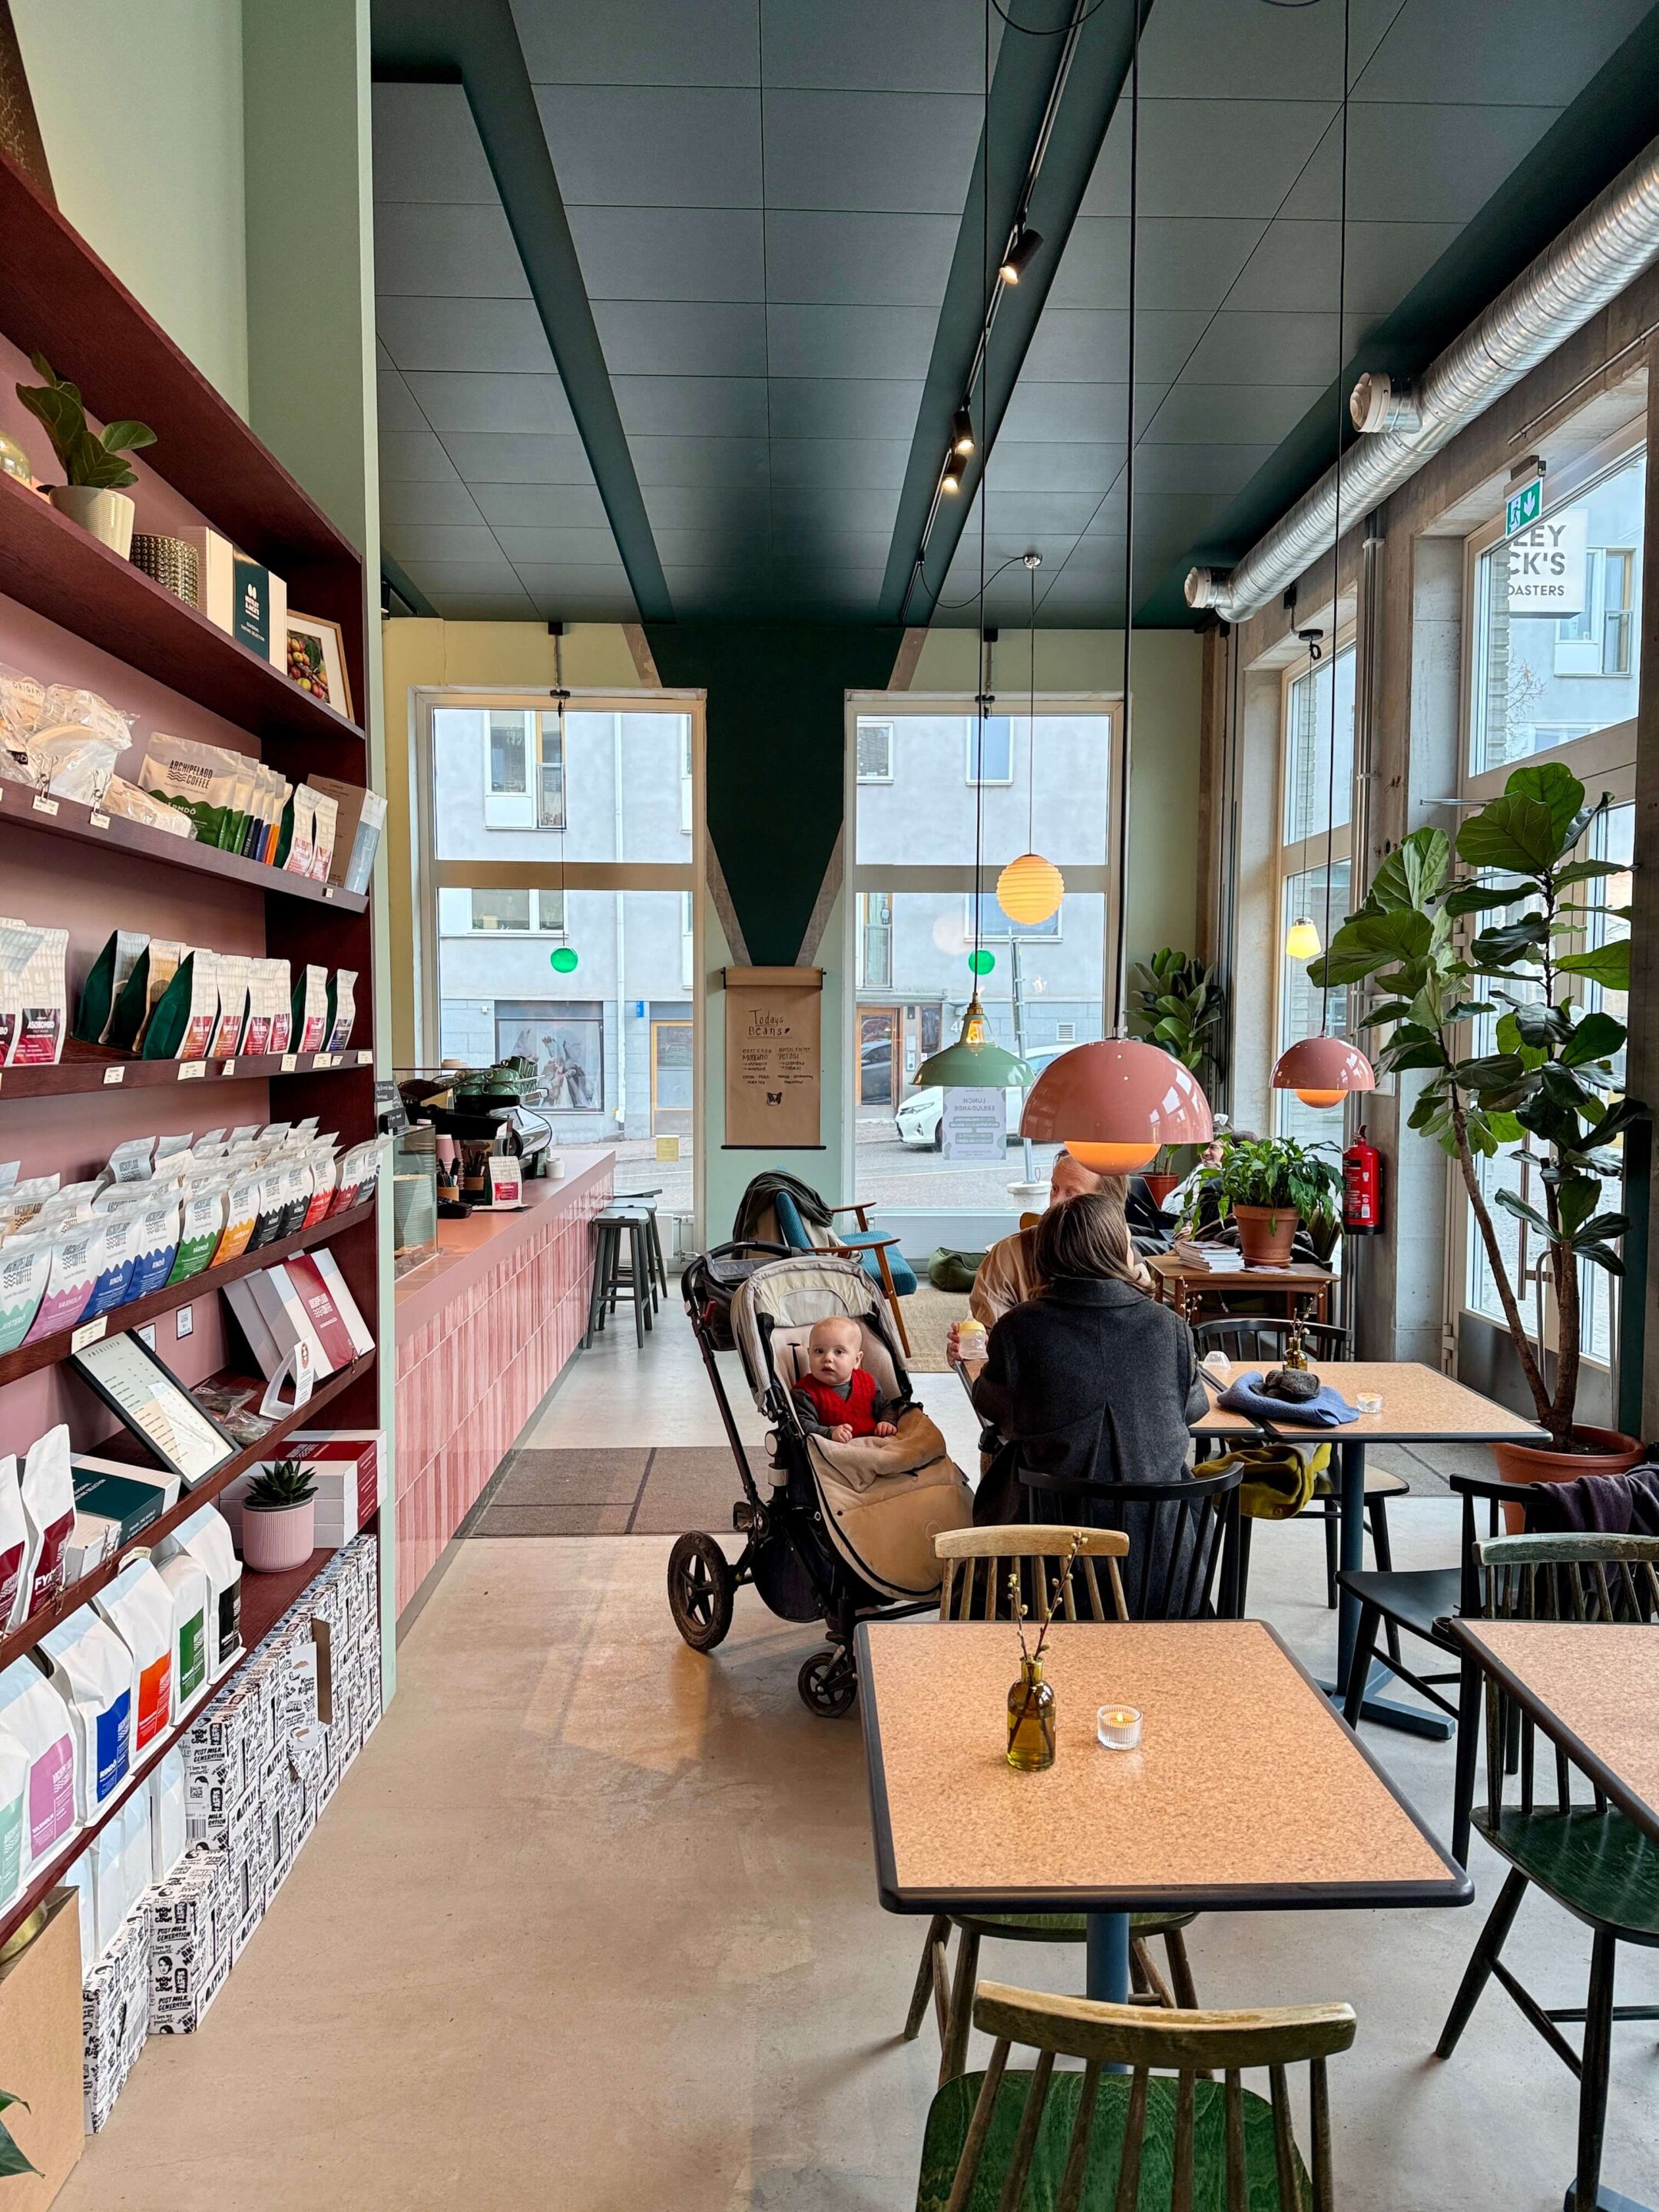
(1178, 1006)
(13, 2158)
(1549, 1081)
(99, 462)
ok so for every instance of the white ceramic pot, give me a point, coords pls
(276, 1538)
(107, 515)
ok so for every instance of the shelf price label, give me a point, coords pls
(114, 1074)
(324, 1060)
(43, 806)
(191, 1071)
(290, 1062)
(89, 1332)
(98, 821)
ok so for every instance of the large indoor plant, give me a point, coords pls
(1178, 1003)
(1547, 1079)
(94, 467)
(1270, 1185)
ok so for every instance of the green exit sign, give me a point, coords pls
(1523, 507)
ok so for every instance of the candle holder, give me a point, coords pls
(1117, 1728)
(1368, 1401)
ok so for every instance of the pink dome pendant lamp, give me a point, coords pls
(1322, 1070)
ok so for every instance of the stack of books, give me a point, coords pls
(1220, 1259)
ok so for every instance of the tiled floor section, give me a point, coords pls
(591, 1927)
(630, 1491)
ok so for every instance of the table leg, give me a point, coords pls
(1388, 1713)
(1108, 1957)
(1606, 2200)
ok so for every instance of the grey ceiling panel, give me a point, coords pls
(513, 457)
(1092, 414)
(882, 261)
(541, 578)
(842, 407)
(439, 574)
(878, 462)
(405, 507)
(426, 147)
(691, 42)
(728, 407)
(1295, 266)
(496, 336)
(1507, 51)
(885, 153)
(1207, 157)
(1080, 345)
(698, 461)
(414, 457)
(1244, 347)
(561, 548)
(880, 342)
(514, 606)
(493, 403)
(444, 543)
(1196, 467)
(1024, 464)
(742, 511)
(838, 506)
(1247, 50)
(462, 251)
(541, 507)
(629, 146)
(1039, 512)
(397, 406)
(1184, 264)
(906, 46)
(681, 337)
(1411, 163)
(670, 254)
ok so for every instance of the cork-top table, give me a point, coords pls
(1593, 1687)
(1246, 1793)
(1183, 1282)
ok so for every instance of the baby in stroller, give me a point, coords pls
(838, 1397)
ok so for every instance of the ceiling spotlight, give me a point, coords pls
(962, 431)
(1021, 253)
(952, 480)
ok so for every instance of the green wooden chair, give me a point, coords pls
(1102, 2141)
(1587, 1856)
(978, 1563)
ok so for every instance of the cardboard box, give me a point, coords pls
(40, 2053)
(114, 2020)
(190, 1929)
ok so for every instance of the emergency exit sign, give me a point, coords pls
(1523, 507)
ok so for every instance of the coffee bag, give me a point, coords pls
(47, 1492)
(32, 1715)
(138, 1606)
(93, 1673)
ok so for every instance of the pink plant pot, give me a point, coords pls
(276, 1541)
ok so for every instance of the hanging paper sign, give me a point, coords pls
(974, 1125)
(1549, 564)
(773, 1062)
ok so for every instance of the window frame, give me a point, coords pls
(1300, 856)
(986, 782)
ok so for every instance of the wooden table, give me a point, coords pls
(1183, 1282)
(1248, 1793)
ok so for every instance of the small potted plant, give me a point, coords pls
(95, 468)
(1179, 1005)
(279, 1518)
(1270, 1185)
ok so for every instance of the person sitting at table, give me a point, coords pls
(1007, 1274)
(1089, 1377)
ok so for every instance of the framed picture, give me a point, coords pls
(155, 1406)
(316, 660)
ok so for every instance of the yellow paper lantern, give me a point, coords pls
(1030, 888)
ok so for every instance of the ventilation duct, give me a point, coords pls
(1594, 259)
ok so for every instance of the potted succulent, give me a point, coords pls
(1547, 1079)
(95, 468)
(1270, 1185)
(1178, 1005)
(279, 1518)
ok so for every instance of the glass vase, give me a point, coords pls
(1030, 1720)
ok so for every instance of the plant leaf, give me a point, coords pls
(1582, 872)
(127, 436)
(1479, 898)
(1413, 873)
(1606, 964)
(1511, 832)
(1598, 1037)
(1552, 786)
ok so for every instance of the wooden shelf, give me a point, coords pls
(51, 565)
(262, 1609)
(81, 1593)
(114, 833)
(90, 1067)
(29, 1357)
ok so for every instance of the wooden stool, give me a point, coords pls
(611, 1276)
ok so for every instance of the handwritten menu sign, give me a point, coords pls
(773, 1068)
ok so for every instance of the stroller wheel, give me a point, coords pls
(700, 1589)
(829, 1684)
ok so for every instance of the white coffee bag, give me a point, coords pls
(14, 1815)
(168, 1841)
(93, 1673)
(192, 1606)
(14, 1538)
(47, 1491)
(31, 1714)
(138, 1606)
(205, 1539)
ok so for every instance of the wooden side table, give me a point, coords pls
(1181, 1284)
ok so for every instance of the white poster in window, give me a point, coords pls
(974, 1125)
(1549, 566)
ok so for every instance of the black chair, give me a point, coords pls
(1180, 1534)
(1248, 1343)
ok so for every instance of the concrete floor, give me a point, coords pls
(592, 1923)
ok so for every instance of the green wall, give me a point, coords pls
(140, 105)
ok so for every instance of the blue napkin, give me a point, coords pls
(1329, 1410)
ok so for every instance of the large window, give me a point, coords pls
(916, 916)
(559, 912)
(1317, 785)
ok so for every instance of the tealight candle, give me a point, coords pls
(1368, 1401)
(1118, 1727)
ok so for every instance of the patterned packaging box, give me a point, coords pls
(189, 1926)
(114, 2018)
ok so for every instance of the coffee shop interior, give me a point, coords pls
(828, 1333)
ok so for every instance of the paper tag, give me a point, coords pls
(328, 891)
(45, 806)
(226, 1067)
(89, 1334)
(191, 1071)
(290, 1062)
(364, 1057)
(98, 821)
(324, 1060)
(115, 1074)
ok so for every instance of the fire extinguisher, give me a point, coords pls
(1362, 1187)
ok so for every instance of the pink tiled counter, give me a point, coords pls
(484, 1331)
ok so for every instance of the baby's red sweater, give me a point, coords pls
(857, 1411)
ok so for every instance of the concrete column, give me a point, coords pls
(1639, 1350)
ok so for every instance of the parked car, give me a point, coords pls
(917, 1119)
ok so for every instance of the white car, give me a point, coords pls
(917, 1119)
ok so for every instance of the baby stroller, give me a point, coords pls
(847, 1533)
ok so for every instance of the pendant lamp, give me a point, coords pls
(1324, 1070)
(1030, 888)
(1114, 1104)
(974, 1061)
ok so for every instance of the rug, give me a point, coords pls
(618, 1492)
(929, 1315)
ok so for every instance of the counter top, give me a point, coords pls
(469, 1250)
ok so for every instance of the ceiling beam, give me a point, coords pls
(433, 41)
(1026, 70)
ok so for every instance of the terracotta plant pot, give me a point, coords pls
(277, 1538)
(107, 515)
(1266, 1234)
(1610, 1452)
(1159, 1187)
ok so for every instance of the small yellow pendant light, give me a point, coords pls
(1302, 939)
(1030, 888)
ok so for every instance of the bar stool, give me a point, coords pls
(611, 1275)
(646, 1201)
